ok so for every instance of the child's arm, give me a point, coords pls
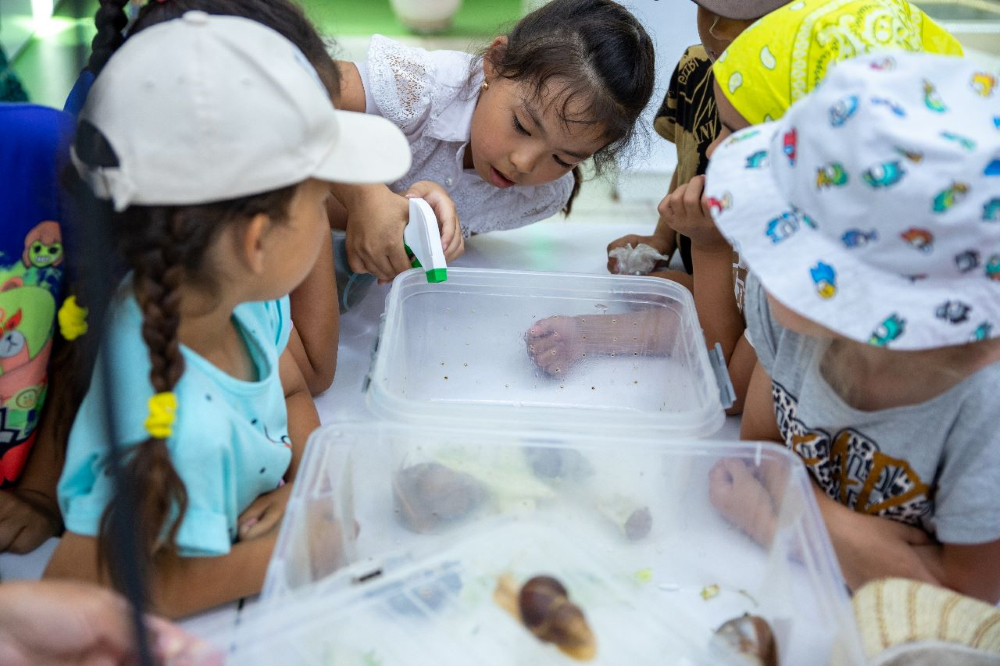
(316, 320)
(178, 586)
(557, 343)
(689, 213)
(29, 514)
(66, 623)
(265, 512)
(870, 547)
(302, 415)
(375, 216)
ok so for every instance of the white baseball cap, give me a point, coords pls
(873, 205)
(209, 108)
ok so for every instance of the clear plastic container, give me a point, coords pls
(370, 492)
(547, 350)
(443, 609)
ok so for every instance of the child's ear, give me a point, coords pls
(494, 53)
(252, 246)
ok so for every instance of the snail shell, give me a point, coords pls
(547, 611)
(750, 635)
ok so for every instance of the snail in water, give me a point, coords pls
(751, 637)
(429, 495)
(542, 604)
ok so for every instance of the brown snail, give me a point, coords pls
(750, 636)
(543, 606)
(429, 495)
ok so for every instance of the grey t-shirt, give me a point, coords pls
(935, 464)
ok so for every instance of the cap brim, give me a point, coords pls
(790, 257)
(369, 150)
(741, 9)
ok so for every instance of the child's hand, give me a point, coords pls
(742, 499)
(688, 213)
(375, 226)
(264, 514)
(556, 344)
(57, 622)
(452, 241)
(25, 523)
(375, 234)
(662, 245)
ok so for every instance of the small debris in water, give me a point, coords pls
(750, 597)
(644, 575)
(710, 592)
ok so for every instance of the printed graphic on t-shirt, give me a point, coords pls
(688, 116)
(30, 281)
(851, 469)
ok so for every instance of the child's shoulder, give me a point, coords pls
(269, 321)
(409, 81)
(33, 125)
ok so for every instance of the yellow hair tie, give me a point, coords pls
(162, 412)
(72, 319)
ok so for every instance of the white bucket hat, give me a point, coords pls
(873, 206)
(209, 108)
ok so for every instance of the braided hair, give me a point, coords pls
(283, 16)
(165, 247)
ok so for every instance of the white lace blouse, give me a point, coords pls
(429, 96)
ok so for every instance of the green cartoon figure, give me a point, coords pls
(43, 246)
(888, 331)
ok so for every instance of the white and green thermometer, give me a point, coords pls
(422, 240)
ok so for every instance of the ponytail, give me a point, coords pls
(111, 21)
(157, 488)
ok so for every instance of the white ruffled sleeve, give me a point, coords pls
(398, 81)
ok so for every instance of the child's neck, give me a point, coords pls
(872, 379)
(207, 328)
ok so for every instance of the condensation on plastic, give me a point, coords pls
(550, 350)
(374, 492)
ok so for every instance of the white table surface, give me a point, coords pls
(550, 246)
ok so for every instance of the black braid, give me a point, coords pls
(157, 487)
(111, 21)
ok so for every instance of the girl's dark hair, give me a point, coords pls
(163, 246)
(593, 51)
(283, 16)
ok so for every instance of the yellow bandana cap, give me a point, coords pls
(783, 56)
(162, 412)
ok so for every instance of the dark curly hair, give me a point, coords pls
(594, 51)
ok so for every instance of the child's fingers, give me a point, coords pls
(354, 258)
(398, 262)
(267, 522)
(172, 645)
(692, 196)
(664, 208)
(255, 510)
(456, 247)
(538, 331)
(544, 347)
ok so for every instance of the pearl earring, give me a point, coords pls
(486, 86)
